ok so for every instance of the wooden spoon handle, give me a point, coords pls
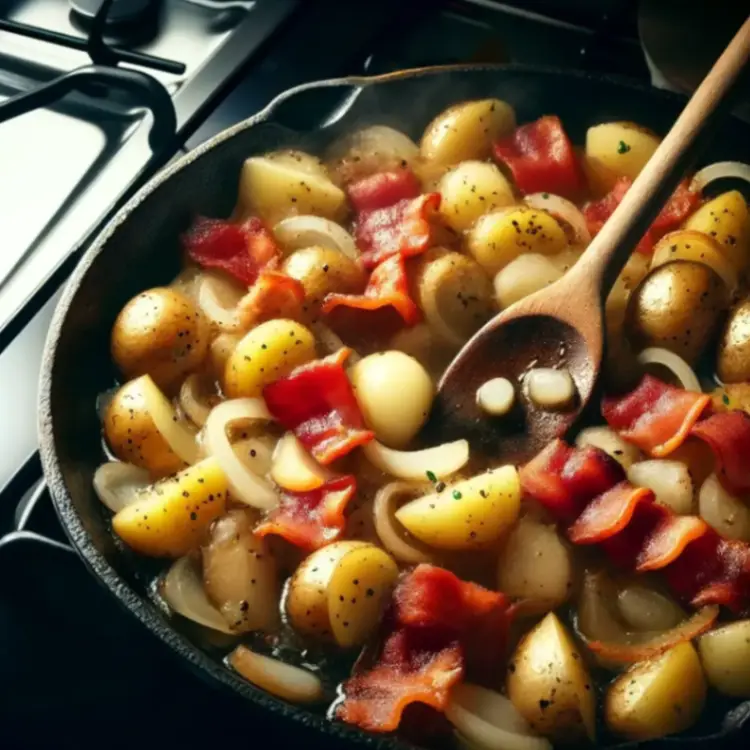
(611, 248)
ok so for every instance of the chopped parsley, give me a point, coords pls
(725, 399)
(457, 495)
(431, 476)
(622, 147)
(545, 196)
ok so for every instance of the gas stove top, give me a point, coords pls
(148, 80)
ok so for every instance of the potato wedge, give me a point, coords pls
(659, 697)
(294, 469)
(725, 654)
(273, 190)
(549, 685)
(172, 517)
(267, 353)
(466, 515)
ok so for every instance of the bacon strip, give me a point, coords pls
(317, 402)
(311, 520)
(388, 287)
(728, 435)
(608, 514)
(435, 630)
(383, 190)
(273, 295)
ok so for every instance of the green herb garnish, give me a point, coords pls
(622, 147)
(457, 495)
(431, 476)
(545, 196)
(725, 399)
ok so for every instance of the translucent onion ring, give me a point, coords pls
(298, 232)
(719, 171)
(177, 432)
(656, 355)
(117, 484)
(244, 484)
(561, 208)
(218, 298)
(442, 460)
(192, 401)
(182, 589)
(392, 535)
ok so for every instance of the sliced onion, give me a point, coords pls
(719, 171)
(282, 680)
(644, 608)
(218, 297)
(607, 637)
(393, 536)
(176, 432)
(298, 232)
(117, 484)
(256, 453)
(294, 469)
(245, 485)
(193, 399)
(490, 721)
(561, 208)
(182, 589)
(669, 480)
(656, 355)
(728, 515)
(442, 460)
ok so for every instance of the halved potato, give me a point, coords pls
(466, 515)
(662, 696)
(172, 517)
(549, 685)
(725, 653)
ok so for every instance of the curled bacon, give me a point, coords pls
(273, 295)
(317, 402)
(383, 189)
(311, 520)
(437, 628)
(728, 435)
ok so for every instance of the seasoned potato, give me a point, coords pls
(338, 592)
(160, 333)
(471, 189)
(299, 161)
(394, 393)
(727, 514)
(733, 360)
(239, 573)
(323, 270)
(606, 439)
(549, 685)
(677, 306)
(466, 515)
(265, 354)
(454, 293)
(662, 696)
(730, 396)
(467, 131)
(131, 432)
(725, 219)
(172, 517)
(725, 654)
(685, 244)
(523, 276)
(535, 566)
(617, 149)
(500, 237)
(273, 190)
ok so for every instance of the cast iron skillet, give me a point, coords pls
(139, 249)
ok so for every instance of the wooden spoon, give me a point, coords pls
(562, 326)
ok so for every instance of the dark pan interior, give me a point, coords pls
(140, 249)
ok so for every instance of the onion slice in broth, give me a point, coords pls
(245, 485)
(298, 232)
(442, 460)
(218, 298)
(177, 433)
(719, 171)
(562, 209)
(117, 484)
(656, 355)
(194, 400)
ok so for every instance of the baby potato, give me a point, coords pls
(664, 695)
(467, 131)
(467, 515)
(549, 686)
(535, 566)
(726, 220)
(132, 434)
(265, 354)
(523, 276)
(172, 517)
(239, 573)
(471, 189)
(337, 593)
(323, 270)
(677, 306)
(733, 360)
(617, 149)
(394, 393)
(299, 161)
(274, 190)
(160, 333)
(725, 654)
(500, 237)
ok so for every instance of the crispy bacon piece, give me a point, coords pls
(242, 250)
(383, 189)
(608, 513)
(273, 295)
(317, 403)
(388, 287)
(541, 158)
(655, 416)
(311, 520)
(728, 435)
(437, 628)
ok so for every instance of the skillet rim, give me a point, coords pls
(144, 610)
